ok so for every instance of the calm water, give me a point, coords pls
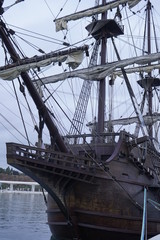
(23, 217)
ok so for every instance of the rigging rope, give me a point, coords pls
(31, 113)
(41, 36)
(155, 204)
(21, 109)
(131, 32)
(60, 9)
(49, 8)
(12, 125)
(31, 44)
(77, 5)
(15, 136)
(44, 196)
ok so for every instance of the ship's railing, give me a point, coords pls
(92, 138)
(18, 151)
(101, 138)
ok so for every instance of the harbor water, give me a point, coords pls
(23, 217)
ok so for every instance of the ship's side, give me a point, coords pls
(100, 212)
(101, 199)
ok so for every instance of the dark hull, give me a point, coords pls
(98, 202)
(102, 212)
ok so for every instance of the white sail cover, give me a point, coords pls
(126, 121)
(72, 59)
(61, 23)
(157, 237)
(100, 72)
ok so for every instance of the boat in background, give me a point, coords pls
(100, 156)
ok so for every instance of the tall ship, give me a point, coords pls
(88, 94)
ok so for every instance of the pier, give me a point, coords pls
(12, 183)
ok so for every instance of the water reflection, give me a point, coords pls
(23, 217)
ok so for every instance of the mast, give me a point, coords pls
(150, 130)
(102, 85)
(54, 134)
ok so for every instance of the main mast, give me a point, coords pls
(149, 82)
(149, 74)
(102, 84)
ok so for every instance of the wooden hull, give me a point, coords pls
(101, 212)
(98, 202)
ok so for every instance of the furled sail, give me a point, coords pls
(99, 72)
(61, 23)
(126, 121)
(73, 58)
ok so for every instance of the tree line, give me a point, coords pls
(10, 171)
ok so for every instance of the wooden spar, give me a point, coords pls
(54, 134)
(102, 86)
(96, 10)
(58, 56)
(150, 94)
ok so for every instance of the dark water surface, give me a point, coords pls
(23, 217)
